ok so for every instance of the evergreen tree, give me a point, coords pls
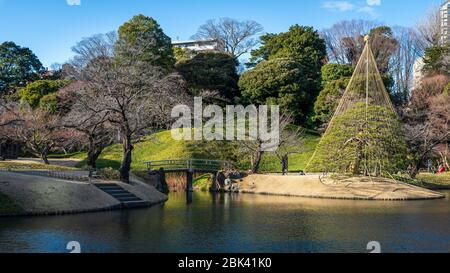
(364, 135)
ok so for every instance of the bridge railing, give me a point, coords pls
(189, 164)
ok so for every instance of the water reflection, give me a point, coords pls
(240, 223)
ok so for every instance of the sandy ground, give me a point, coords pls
(352, 188)
(39, 195)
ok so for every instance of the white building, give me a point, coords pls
(445, 24)
(417, 72)
(198, 45)
(445, 38)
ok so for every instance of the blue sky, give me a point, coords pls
(51, 27)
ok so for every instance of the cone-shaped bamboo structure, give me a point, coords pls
(364, 136)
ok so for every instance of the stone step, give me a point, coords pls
(106, 187)
(126, 198)
(135, 204)
(117, 191)
(125, 194)
(109, 188)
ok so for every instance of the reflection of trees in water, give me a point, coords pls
(239, 222)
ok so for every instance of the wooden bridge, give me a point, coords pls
(188, 166)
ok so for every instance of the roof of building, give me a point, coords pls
(193, 41)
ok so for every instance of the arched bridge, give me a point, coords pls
(188, 166)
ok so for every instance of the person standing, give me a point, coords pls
(430, 165)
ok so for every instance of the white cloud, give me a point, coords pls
(338, 5)
(374, 2)
(345, 6)
(369, 10)
(73, 2)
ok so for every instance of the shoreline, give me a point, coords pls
(357, 188)
(46, 196)
(342, 198)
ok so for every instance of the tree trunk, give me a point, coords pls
(257, 161)
(414, 171)
(92, 158)
(285, 164)
(444, 158)
(126, 160)
(93, 154)
(162, 183)
(357, 163)
(44, 158)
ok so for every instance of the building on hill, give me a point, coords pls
(445, 24)
(197, 45)
(445, 38)
(417, 72)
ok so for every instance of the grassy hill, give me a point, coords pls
(161, 146)
(297, 162)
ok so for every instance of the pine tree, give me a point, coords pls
(364, 136)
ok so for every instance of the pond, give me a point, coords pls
(240, 223)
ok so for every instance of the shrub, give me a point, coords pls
(447, 89)
(361, 139)
(109, 174)
(49, 103)
(35, 91)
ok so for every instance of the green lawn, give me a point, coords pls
(428, 180)
(297, 162)
(31, 166)
(161, 146)
(435, 181)
(203, 182)
(75, 155)
(7, 206)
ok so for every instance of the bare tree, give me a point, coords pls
(291, 142)
(427, 120)
(443, 151)
(8, 114)
(234, 37)
(135, 95)
(345, 42)
(39, 130)
(429, 28)
(253, 148)
(88, 49)
(91, 121)
(8, 119)
(343, 35)
(402, 62)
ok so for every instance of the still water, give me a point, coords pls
(240, 223)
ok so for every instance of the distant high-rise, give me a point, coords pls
(445, 24)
